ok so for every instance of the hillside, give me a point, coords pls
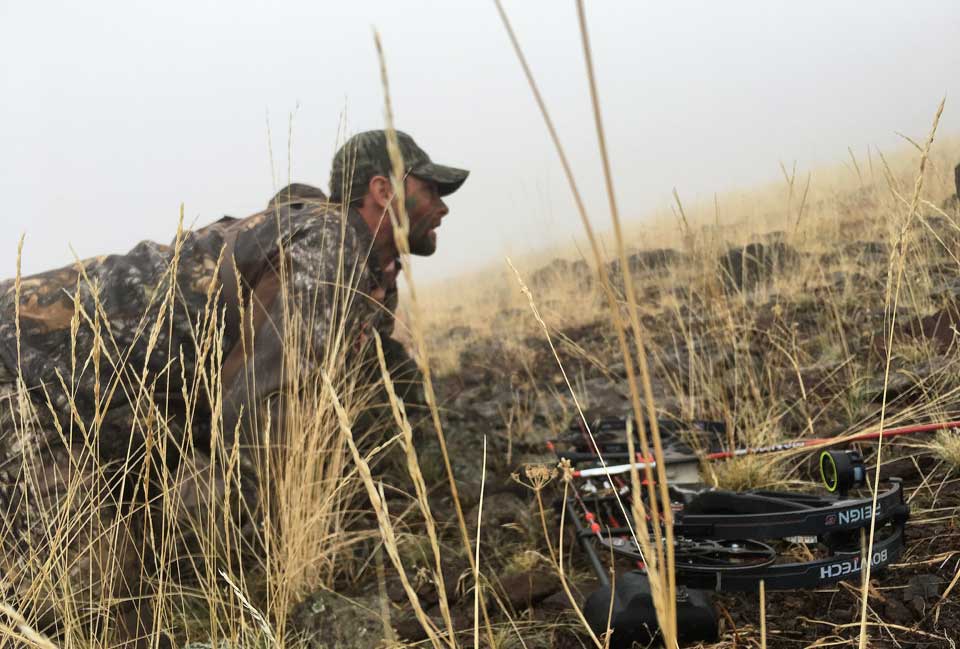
(776, 321)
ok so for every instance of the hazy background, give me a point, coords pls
(115, 112)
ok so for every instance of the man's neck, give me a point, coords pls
(384, 246)
(385, 253)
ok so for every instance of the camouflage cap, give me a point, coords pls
(365, 155)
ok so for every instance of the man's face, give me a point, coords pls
(425, 210)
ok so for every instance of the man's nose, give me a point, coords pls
(444, 210)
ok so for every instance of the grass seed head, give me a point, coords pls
(946, 446)
(745, 472)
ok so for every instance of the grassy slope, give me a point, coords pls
(799, 352)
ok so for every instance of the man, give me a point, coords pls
(112, 349)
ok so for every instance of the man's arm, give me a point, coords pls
(311, 316)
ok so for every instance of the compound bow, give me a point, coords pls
(724, 540)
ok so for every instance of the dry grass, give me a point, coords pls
(746, 472)
(946, 446)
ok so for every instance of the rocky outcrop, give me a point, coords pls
(755, 264)
(561, 271)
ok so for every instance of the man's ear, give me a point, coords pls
(380, 191)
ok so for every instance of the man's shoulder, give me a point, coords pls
(308, 228)
(300, 218)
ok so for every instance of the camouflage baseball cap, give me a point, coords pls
(365, 155)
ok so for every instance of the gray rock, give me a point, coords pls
(867, 250)
(755, 264)
(924, 586)
(563, 270)
(646, 261)
(326, 620)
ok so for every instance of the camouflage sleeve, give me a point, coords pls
(329, 284)
(320, 318)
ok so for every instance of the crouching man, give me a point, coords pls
(139, 392)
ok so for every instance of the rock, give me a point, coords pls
(424, 583)
(592, 332)
(895, 611)
(505, 516)
(753, 265)
(941, 328)
(844, 281)
(459, 332)
(645, 261)
(601, 395)
(867, 250)
(775, 237)
(486, 410)
(464, 442)
(476, 359)
(952, 202)
(908, 468)
(939, 224)
(326, 620)
(526, 589)
(556, 603)
(562, 270)
(924, 586)
(409, 629)
(905, 381)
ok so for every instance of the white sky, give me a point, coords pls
(114, 112)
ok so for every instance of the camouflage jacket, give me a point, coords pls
(121, 299)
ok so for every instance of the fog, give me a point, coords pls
(114, 113)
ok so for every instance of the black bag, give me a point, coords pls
(634, 618)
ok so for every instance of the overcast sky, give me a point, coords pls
(113, 113)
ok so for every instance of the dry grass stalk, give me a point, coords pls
(562, 572)
(656, 559)
(641, 542)
(256, 614)
(747, 472)
(763, 615)
(26, 634)
(476, 558)
(898, 255)
(667, 616)
(401, 225)
(577, 404)
(420, 488)
(379, 504)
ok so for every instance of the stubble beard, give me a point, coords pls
(424, 243)
(423, 238)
